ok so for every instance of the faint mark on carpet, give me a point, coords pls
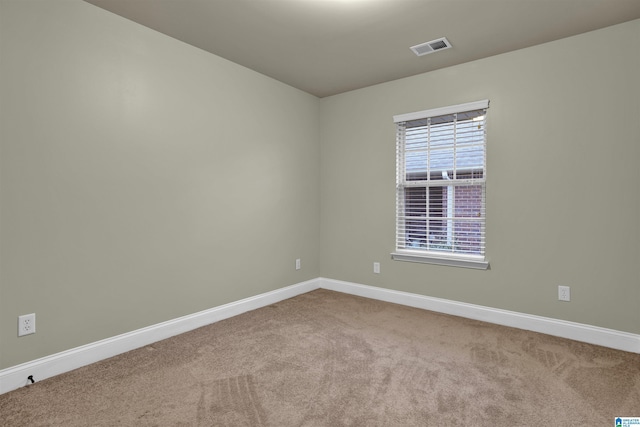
(494, 411)
(451, 403)
(231, 402)
(552, 360)
(513, 396)
(485, 354)
(615, 386)
(605, 380)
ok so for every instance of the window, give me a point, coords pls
(440, 185)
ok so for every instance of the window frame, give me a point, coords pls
(456, 259)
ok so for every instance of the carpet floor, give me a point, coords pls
(330, 359)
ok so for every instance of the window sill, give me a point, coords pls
(478, 263)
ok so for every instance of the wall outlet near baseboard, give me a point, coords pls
(298, 265)
(564, 293)
(376, 267)
(26, 324)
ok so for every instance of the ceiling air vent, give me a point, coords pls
(432, 46)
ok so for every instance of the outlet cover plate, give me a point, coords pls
(564, 293)
(26, 324)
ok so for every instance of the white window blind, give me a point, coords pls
(440, 183)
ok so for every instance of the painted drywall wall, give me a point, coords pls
(563, 205)
(141, 179)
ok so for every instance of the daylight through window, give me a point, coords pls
(440, 184)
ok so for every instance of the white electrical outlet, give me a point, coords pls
(376, 267)
(298, 264)
(26, 324)
(564, 293)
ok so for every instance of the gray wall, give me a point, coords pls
(563, 204)
(141, 179)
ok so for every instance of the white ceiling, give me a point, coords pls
(326, 47)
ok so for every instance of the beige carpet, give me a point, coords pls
(330, 359)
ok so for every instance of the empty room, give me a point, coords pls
(319, 212)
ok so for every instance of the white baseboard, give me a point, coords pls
(560, 328)
(48, 366)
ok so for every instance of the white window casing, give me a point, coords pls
(441, 185)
